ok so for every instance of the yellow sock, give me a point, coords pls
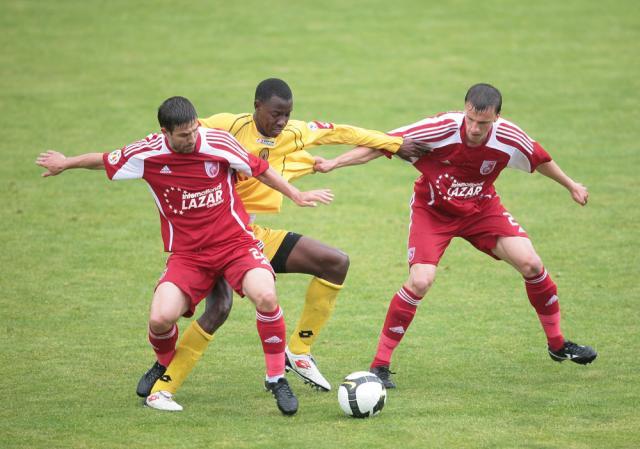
(318, 307)
(189, 350)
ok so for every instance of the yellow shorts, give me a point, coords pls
(271, 238)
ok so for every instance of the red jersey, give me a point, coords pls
(457, 180)
(194, 192)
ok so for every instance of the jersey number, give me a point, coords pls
(257, 254)
(513, 222)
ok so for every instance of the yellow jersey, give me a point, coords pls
(286, 153)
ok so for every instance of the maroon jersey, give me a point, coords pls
(194, 192)
(457, 180)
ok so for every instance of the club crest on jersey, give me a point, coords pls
(264, 154)
(411, 253)
(319, 125)
(487, 167)
(114, 157)
(212, 169)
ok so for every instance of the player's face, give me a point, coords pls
(477, 124)
(183, 138)
(272, 116)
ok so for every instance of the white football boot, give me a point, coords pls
(305, 367)
(162, 400)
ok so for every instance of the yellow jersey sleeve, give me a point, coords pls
(287, 153)
(324, 133)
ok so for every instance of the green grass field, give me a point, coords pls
(79, 256)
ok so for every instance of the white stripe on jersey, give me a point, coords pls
(159, 205)
(432, 133)
(228, 143)
(516, 150)
(411, 201)
(232, 201)
(455, 117)
(154, 144)
(134, 167)
(522, 139)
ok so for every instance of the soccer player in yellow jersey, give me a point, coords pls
(269, 134)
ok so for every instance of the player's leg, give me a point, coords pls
(196, 338)
(400, 314)
(543, 296)
(259, 286)
(328, 266)
(168, 305)
(429, 237)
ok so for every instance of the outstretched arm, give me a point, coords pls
(552, 170)
(304, 199)
(356, 156)
(55, 162)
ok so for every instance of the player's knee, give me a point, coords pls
(531, 266)
(160, 322)
(420, 286)
(265, 300)
(334, 266)
(340, 263)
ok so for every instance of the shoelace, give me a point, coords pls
(283, 387)
(384, 373)
(570, 346)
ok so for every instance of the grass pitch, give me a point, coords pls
(79, 255)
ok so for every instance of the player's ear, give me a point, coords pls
(165, 131)
(256, 104)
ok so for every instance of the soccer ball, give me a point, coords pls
(362, 394)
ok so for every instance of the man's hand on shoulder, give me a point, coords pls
(323, 165)
(410, 150)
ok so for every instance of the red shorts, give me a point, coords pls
(430, 233)
(196, 272)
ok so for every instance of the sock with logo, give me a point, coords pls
(272, 332)
(543, 296)
(319, 303)
(193, 343)
(402, 309)
(164, 345)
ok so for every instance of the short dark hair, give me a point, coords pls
(273, 87)
(176, 111)
(484, 96)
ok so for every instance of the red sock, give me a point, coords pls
(543, 296)
(401, 311)
(272, 332)
(164, 345)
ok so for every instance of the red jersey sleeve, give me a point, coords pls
(431, 130)
(128, 162)
(531, 153)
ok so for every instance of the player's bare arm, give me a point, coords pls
(55, 162)
(356, 156)
(578, 191)
(302, 199)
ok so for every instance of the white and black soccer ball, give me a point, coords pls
(362, 394)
